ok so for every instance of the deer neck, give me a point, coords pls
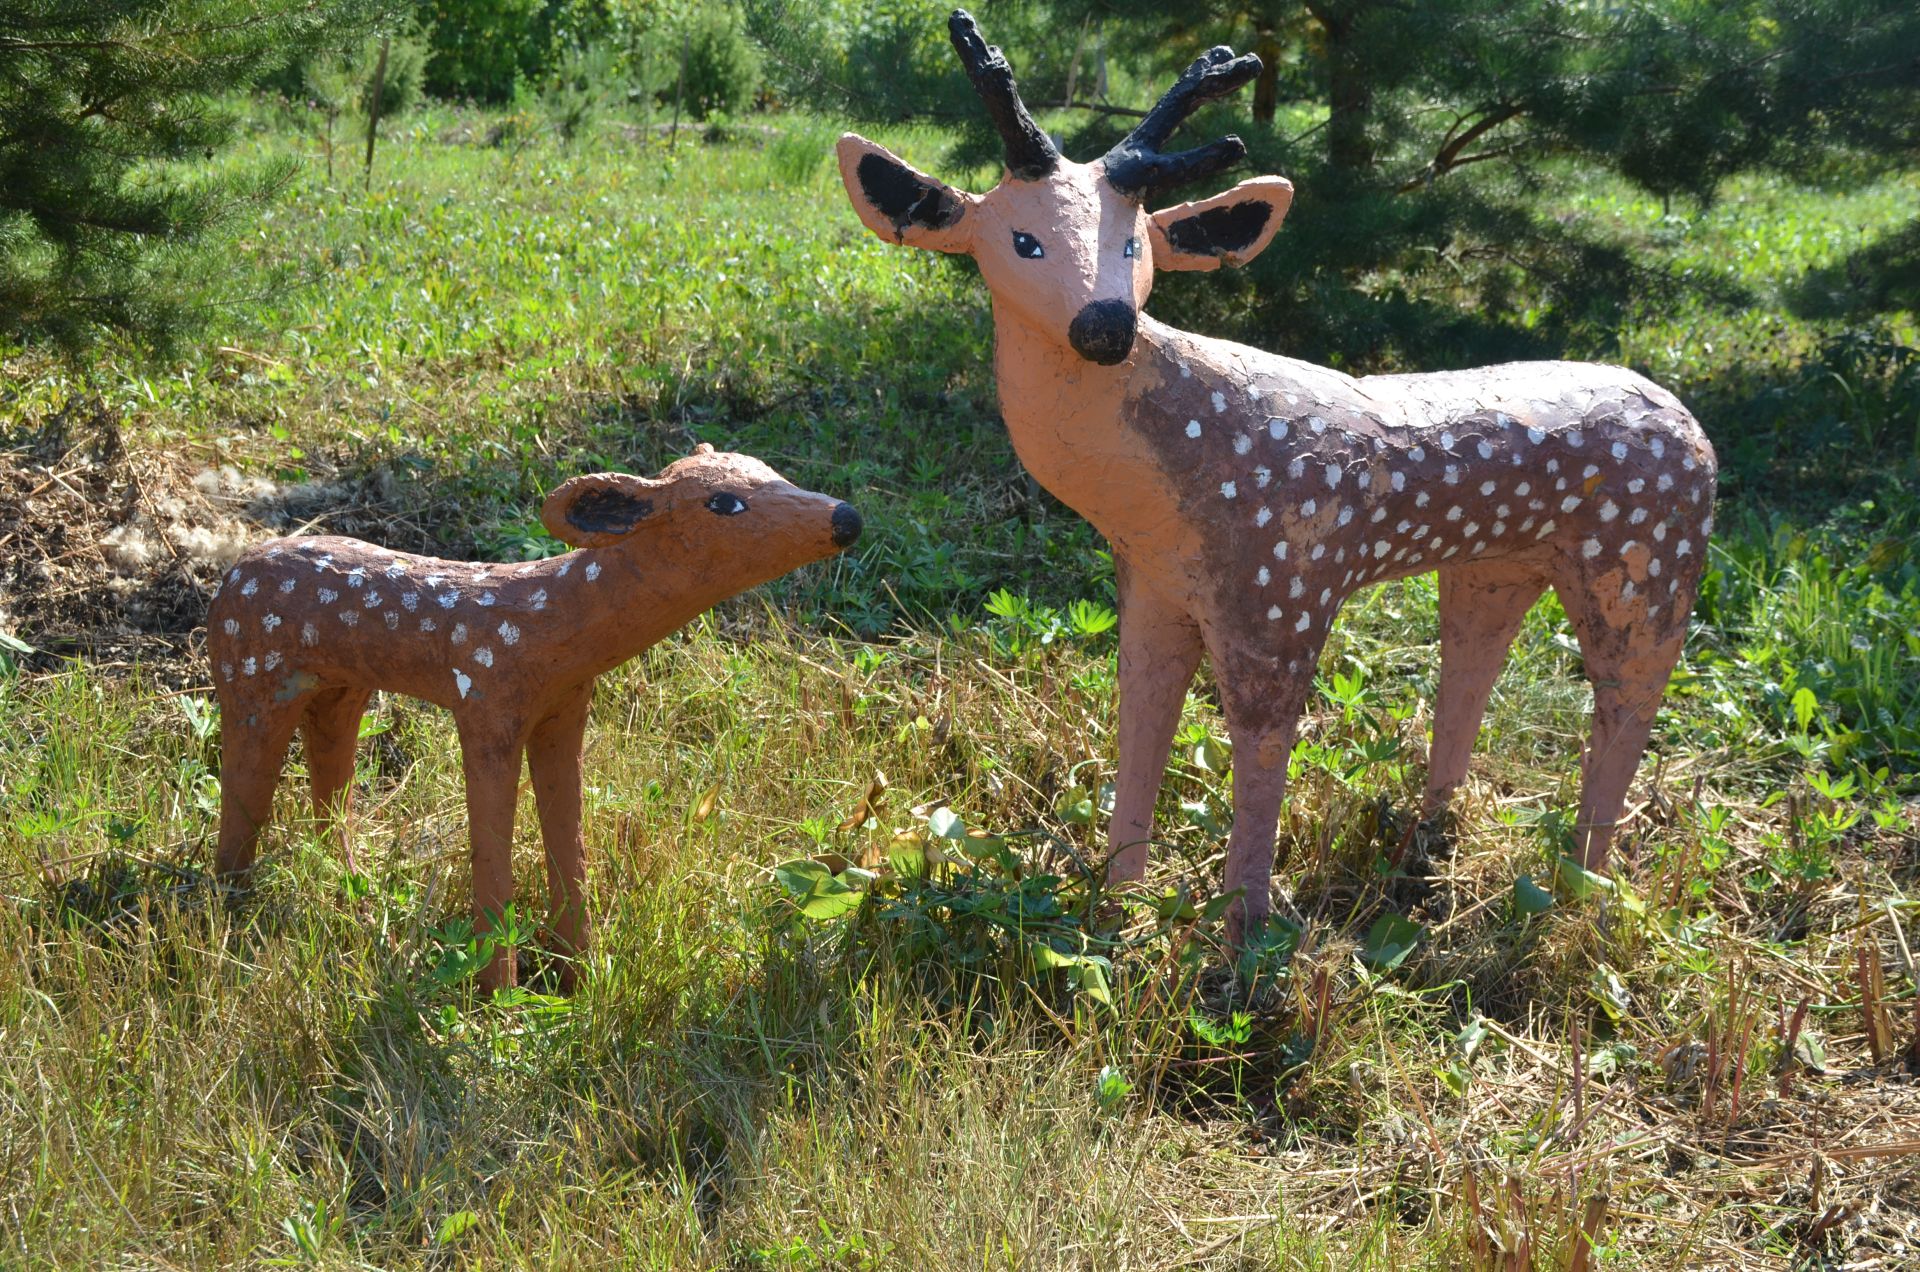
(1072, 426)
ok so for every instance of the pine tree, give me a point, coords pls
(109, 121)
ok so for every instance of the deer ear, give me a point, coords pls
(598, 509)
(902, 204)
(1230, 228)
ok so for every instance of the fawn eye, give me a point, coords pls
(1028, 246)
(1131, 250)
(727, 504)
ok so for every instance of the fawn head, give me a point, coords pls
(726, 518)
(1070, 248)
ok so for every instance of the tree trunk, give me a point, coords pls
(1266, 89)
(1349, 91)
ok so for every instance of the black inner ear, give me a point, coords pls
(607, 510)
(1219, 231)
(904, 197)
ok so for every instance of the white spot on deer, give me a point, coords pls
(1663, 483)
(486, 599)
(1417, 454)
(371, 600)
(410, 601)
(1186, 371)
(1306, 620)
(1576, 438)
(322, 561)
(565, 565)
(1380, 547)
(1524, 488)
(1499, 528)
(1455, 513)
(252, 586)
(449, 598)
(1297, 588)
(1546, 528)
(391, 619)
(1553, 466)
(1452, 476)
(1420, 499)
(1379, 515)
(270, 622)
(1264, 577)
(1261, 476)
(1682, 548)
(593, 571)
(1619, 450)
(1706, 526)
(1333, 476)
(357, 577)
(287, 585)
(1658, 447)
(428, 625)
(1263, 516)
(462, 681)
(1570, 503)
(1276, 429)
(273, 659)
(1398, 480)
(1486, 450)
(350, 617)
(1446, 441)
(1319, 550)
(1219, 402)
(1486, 487)
(509, 634)
(1297, 467)
(1527, 524)
(483, 656)
(231, 627)
(1364, 480)
(1310, 507)
(1280, 550)
(1317, 424)
(1535, 436)
(1590, 470)
(1590, 549)
(1193, 428)
(1228, 490)
(459, 634)
(1501, 510)
(1346, 515)
(226, 670)
(233, 575)
(1609, 510)
(1449, 552)
(1472, 528)
(1660, 532)
(1242, 443)
(1654, 567)
(434, 581)
(395, 570)
(1273, 613)
(251, 666)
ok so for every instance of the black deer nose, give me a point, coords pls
(1103, 332)
(846, 525)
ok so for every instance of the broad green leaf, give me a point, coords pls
(946, 823)
(455, 1226)
(1529, 898)
(1578, 881)
(1391, 938)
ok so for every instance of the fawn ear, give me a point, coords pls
(598, 509)
(902, 204)
(1230, 228)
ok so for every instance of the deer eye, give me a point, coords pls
(1131, 250)
(726, 504)
(1028, 246)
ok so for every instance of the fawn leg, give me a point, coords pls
(330, 728)
(253, 746)
(1481, 607)
(490, 759)
(1628, 663)
(1159, 650)
(554, 757)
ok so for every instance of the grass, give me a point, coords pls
(1471, 1057)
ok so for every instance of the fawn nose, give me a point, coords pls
(846, 525)
(1103, 332)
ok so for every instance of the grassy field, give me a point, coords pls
(1472, 1056)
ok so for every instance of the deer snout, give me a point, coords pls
(846, 524)
(1103, 332)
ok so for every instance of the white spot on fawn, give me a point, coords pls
(449, 598)
(328, 596)
(1609, 510)
(250, 666)
(1296, 588)
(270, 622)
(1242, 444)
(1570, 503)
(1193, 428)
(231, 627)
(483, 656)
(593, 571)
(287, 585)
(459, 633)
(1264, 577)
(309, 634)
(1219, 402)
(1333, 475)
(509, 634)
(1228, 490)
(273, 659)
(462, 681)
(428, 625)
(1535, 436)
(1273, 613)
(1276, 429)
(540, 599)
(252, 586)
(1263, 516)
(1306, 620)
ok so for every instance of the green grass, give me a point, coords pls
(1466, 1047)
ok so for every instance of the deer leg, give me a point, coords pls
(554, 757)
(490, 759)
(1262, 700)
(1159, 651)
(1481, 607)
(1628, 658)
(253, 746)
(330, 727)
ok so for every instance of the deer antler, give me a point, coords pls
(1030, 152)
(1135, 166)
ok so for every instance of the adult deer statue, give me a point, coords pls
(305, 629)
(1246, 495)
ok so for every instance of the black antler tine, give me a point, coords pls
(1030, 152)
(1136, 167)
